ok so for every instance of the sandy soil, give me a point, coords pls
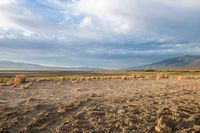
(111, 105)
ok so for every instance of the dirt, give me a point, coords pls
(101, 106)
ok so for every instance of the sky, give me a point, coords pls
(98, 33)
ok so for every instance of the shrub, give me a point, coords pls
(124, 77)
(20, 78)
(162, 76)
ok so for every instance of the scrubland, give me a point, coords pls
(126, 103)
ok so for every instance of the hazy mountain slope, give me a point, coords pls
(9, 65)
(16, 65)
(182, 61)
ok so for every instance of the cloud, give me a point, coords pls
(7, 2)
(144, 18)
(100, 32)
(86, 22)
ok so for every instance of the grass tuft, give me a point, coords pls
(20, 78)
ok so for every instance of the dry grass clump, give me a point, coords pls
(101, 77)
(60, 80)
(124, 77)
(179, 77)
(164, 125)
(7, 83)
(133, 76)
(191, 77)
(162, 76)
(140, 76)
(10, 82)
(13, 82)
(150, 77)
(20, 79)
(127, 77)
(94, 77)
(107, 77)
(116, 77)
(82, 78)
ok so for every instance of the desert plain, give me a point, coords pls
(103, 104)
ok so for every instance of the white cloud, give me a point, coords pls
(7, 2)
(142, 18)
(193, 4)
(112, 13)
(197, 49)
(86, 22)
(14, 15)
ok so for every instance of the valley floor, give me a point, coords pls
(102, 105)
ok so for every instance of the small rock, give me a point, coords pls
(59, 83)
(136, 111)
(31, 99)
(26, 86)
(79, 89)
(74, 81)
(121, 111)
(93, 95)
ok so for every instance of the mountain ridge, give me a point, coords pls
(186, 61)
(11, 65)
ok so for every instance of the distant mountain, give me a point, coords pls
(187, 61)
(9, 65)
(16, 65)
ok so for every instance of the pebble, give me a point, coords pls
(121, 111)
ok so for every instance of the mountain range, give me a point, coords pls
(10, 65)
(181, 62)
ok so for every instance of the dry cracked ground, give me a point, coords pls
(102, 106)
